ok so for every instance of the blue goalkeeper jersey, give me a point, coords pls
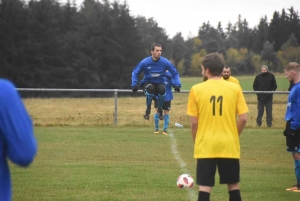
(293, 107)
(17, 141)
(155, 71)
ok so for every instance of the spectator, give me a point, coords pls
(154, 68)
(265, 81)
(292, 117)
(17, 141)
(212, 107)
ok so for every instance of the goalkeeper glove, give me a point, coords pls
(135, 88)
(177, 89)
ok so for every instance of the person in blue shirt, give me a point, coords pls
(292, 117)
(154, 68)
(166, 106)
(17, 141)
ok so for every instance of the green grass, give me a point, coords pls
(245, 81)
(126, 163)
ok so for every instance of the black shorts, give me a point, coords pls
(292, 143)
(228, 168)
(166, 105)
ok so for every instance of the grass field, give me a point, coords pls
(245, 81)
(131, 164)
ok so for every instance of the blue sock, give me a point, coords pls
(156, 120)
(297, 171)
(166, 122)
(149, 98)
(161, 100)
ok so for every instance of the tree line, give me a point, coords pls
(44, 44)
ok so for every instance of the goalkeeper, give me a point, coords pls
(154, 68)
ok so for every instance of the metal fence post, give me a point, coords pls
(116, 108)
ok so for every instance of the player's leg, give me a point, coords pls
(149, 92)
(291, 144)
(229, 171)
(206, 170)
(296, 157)
(166, 107)
(156, 116)
(260, 112)
(161, 93)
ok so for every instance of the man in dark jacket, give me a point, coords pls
(265, 81)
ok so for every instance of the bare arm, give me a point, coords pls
(241, 123)
(194, 126)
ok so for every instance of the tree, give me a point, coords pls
(268, 54)
(260, 35)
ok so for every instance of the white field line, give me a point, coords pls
(192, 196)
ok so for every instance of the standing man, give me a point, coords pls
(212, 107)
(17, 141)
(166, 106)
(226, 75)
(292, 117)
(265, 81)
(154, 68)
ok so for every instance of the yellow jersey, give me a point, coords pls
(232, 79)
(216, 104)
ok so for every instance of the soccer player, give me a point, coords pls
(17, 141)
(226, 75)
(213, 107)
(292, 117)
(154, 68)
(166, 106)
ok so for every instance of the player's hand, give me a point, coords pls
(177, 89)
(135, 88)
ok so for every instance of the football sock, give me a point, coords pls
(235, 195)
(156, 120)
(161, 99)
(203, 196)
(149, 98)
(166, 122)
(297, 172)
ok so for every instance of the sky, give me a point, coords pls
(186, 16)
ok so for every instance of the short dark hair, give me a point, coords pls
(155, 45)
(292, 66)
(214, 62)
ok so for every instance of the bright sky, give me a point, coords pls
(186, 16)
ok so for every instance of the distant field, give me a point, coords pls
(245, 81)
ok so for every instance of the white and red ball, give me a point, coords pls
(185, 181)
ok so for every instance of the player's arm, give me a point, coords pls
(175, 75)
(17, 127)
(135, 73)
(194, 126)
(295, 123)
(242, 119)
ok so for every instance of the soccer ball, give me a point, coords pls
(185, 181)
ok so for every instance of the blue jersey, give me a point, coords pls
(293, 107)
(155, 71)
(17, 141)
